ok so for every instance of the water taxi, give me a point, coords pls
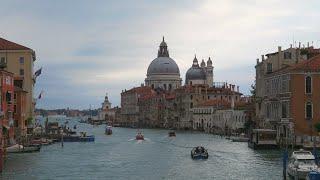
(301, 164)
(139, 136)
(199, 153)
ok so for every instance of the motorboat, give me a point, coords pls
(108, 130)
(139, 136)
(172, 134)
(84, 138)
(199, 152)
(17, 148)
(301, 163)
(241, 138)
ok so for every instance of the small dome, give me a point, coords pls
(163, 65)
(195, 73)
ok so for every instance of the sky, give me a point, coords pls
(90, 48)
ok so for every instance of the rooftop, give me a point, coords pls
(8, 45)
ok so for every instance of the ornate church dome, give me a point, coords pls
(195, 72)
(163, 64)
(163, 72)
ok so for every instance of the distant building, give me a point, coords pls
(219, 116)
(19, 60)
(129, 105)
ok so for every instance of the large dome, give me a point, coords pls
(163, 65)
(195, 73)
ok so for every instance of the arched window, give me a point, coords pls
(170, 86)
(152, 86)
(309, 110)
(191, 97)
(191, 105)
(308, 84)
(165, 86)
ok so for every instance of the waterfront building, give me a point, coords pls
(19, 60)
(220, 116)
(163, 72)
(276, 83)
(129, 105)
(292, 100)
(19, 112)
(105, 107)
(190, 96)
(6, 113)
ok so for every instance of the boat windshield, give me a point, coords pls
(306, 162)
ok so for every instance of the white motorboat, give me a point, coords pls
(22, 149)
(301, 164)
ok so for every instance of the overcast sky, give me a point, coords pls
(88, 48)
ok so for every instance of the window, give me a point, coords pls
(15, 96)
(15, 109)
(191, 97)
(285, 109)
(21, 72)
(308, 84)
(165, 86)
(3, 60)
(191, 105)
(269, 68)
(309, 110)
(170, 86)
(287, 55)
(152, 86)
(21, 60)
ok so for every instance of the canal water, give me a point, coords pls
(119, 156)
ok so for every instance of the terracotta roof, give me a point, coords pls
(8, 45)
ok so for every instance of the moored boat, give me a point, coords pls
(139, 136)
(301, 164)
(199, 153)
(108, 130)
(22, 149)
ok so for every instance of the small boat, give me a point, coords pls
(23, 149)
(241, 138)
(139, 136)
(108, 130)
(313, 175)
(199, 153)
(301, 163)
(84, 138)
(172, 134)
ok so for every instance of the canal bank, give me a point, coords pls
(120, 157)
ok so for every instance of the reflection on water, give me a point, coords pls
(120, 156)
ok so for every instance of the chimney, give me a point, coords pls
(290, 45)
(308, 44)
(279, 49)
(257, 60)
(262, 57)
(299, 45)
(237, 88)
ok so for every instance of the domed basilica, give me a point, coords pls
(163, 72)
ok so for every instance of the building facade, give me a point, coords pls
(19, 60)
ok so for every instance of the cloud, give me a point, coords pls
(89, 48)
